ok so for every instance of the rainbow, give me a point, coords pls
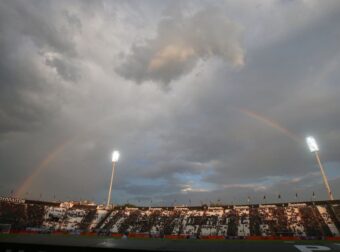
(43, 164)
(271, 123)
(58, 150)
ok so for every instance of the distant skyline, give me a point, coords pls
(205, 100)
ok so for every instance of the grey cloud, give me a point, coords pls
(180, 42)
(29, 31)
(73, 21)
(41, 24)
(20, 103)
(171, 167)
(67, 70)
(56, 78)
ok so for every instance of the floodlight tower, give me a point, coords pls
(115, 157)
(313, 147)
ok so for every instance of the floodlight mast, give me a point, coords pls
(115, 157)
(314, 148)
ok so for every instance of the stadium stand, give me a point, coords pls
(302, 220)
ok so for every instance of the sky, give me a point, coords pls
(207, 101)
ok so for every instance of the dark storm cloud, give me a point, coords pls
(180, 42)
(30, 31)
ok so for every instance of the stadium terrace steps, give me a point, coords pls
(103, 219)
(112, 219)
(328, 220)
(334, 212)
(321, 222)
(86, 222)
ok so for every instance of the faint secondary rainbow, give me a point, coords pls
(58, 150)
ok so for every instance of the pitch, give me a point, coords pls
(71, 242)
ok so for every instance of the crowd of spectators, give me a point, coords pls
(309, 219)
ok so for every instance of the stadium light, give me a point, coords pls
(313, 147)
(115, 157)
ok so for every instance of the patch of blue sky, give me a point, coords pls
(196, 181)
(147, 182)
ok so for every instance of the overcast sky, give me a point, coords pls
(205, 100)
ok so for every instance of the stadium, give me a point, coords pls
(170, 125)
